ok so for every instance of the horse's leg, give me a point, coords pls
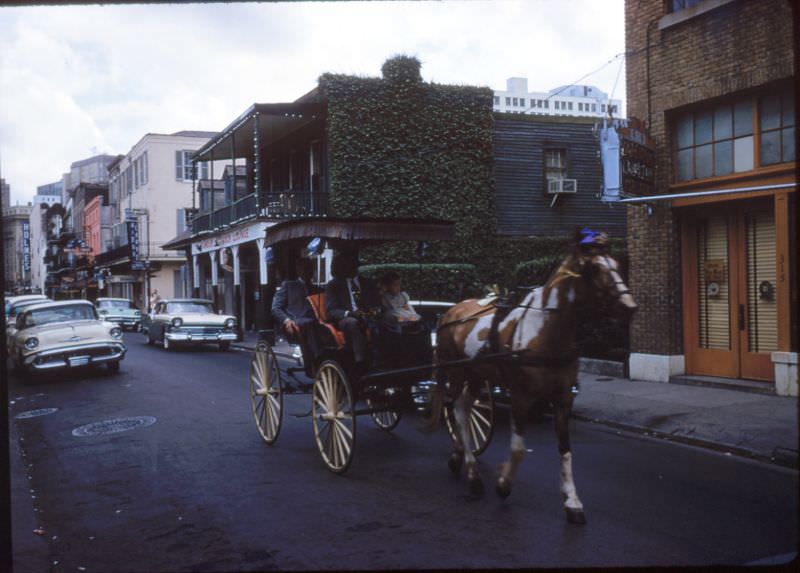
(461, 408)
(455, 382)
(572, 505)
(508, 470)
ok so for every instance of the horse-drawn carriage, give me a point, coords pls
(527, 348)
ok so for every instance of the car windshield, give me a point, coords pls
(115, 304)
(67, 313)
(178, 307)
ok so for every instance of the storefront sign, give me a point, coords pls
(133, 239)
(232, 237)
(26, 247)
(715, 271)
(629, 160)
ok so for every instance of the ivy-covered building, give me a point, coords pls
(394, 146)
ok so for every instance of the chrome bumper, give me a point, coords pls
(200, 337)
(74, 356)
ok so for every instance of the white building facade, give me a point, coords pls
(38, 243)
(576, 101)
(152, 186)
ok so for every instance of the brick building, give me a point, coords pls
(713, 264)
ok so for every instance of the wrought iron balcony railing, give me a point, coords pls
(285, 204)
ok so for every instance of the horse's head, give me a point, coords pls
(601, 274)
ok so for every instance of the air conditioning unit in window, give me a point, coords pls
(558, 186)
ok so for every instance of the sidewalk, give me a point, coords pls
(758, 426)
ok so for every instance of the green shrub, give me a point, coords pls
(537, 271)
(431, 281)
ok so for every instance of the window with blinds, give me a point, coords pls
(712, 260)
(762, 321)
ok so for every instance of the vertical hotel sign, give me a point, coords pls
(629, 160)
(133, 240)
(26, 247)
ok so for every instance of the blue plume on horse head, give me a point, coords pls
(590, 237)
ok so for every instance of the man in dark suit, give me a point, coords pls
(353, 304)
(292, 311)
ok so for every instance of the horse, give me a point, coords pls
(541, 332)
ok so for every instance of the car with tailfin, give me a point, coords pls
(188, 321)
(63, 335)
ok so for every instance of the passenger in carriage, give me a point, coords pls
(293, 312)
(353, 304)
(398, 312)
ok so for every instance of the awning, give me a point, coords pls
(275, 121)
(671, 196)
(362, 230)
(180, 242)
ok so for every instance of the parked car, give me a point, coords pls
(63, 335)
(11, 320)
(188, 321)
(11, 300)
(120, 311)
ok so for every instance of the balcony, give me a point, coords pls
(286, 204)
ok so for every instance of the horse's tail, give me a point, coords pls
(436, 401)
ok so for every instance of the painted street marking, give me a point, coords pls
(35, 413)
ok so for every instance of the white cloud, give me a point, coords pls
(78, 77)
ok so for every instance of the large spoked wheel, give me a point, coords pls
(266, 393)
(481, 420)
(333, 414)
(386, 420)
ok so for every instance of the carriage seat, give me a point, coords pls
(317, 302)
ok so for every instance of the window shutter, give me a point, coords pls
(179, 165)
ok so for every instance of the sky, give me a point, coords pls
(80, 80)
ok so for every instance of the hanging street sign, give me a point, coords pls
(629, 160)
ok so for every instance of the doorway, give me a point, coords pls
(730, 281)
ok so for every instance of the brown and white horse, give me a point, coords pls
(542, 326)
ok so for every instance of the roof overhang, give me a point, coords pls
(182, 241)
(364, 230)
(275, 121)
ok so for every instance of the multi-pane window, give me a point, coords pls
(508, 101)
(557, 105)
(183, 166)
(580, 106)
(515, 101)
(496, 100)
(677, 5)
(603, 107)
(555, 163)
(546, 104)
(721, 140)
(569, 105)
(776, 119)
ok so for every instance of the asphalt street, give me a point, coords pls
(194, 488)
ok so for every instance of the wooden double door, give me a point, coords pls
(730, 287)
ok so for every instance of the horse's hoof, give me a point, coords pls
(455, 462)
(503, 487)
(575, 516)
(476, 485)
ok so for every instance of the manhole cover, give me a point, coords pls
(113, 426)
(35, 413)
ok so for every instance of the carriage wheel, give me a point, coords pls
(333, 415)
(266, 393)
(386, 420)
(481, 420)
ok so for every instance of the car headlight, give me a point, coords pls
(31, 343)
(230, 323)
(177, 322)
(137, 313)
(115, 332)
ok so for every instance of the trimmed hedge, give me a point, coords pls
(431, 281)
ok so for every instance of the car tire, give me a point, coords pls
(113, 367)
(224, 346)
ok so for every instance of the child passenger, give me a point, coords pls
(396, 302)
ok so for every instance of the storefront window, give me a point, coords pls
(721, 140)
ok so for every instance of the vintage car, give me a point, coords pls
(14, 310)
(120, 311)
(188, 321)
(65, 334)
(12, 300)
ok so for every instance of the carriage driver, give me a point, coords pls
(293, 312)
(353, 304)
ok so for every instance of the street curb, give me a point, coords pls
(788, 459)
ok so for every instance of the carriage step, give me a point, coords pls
(306, 415)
